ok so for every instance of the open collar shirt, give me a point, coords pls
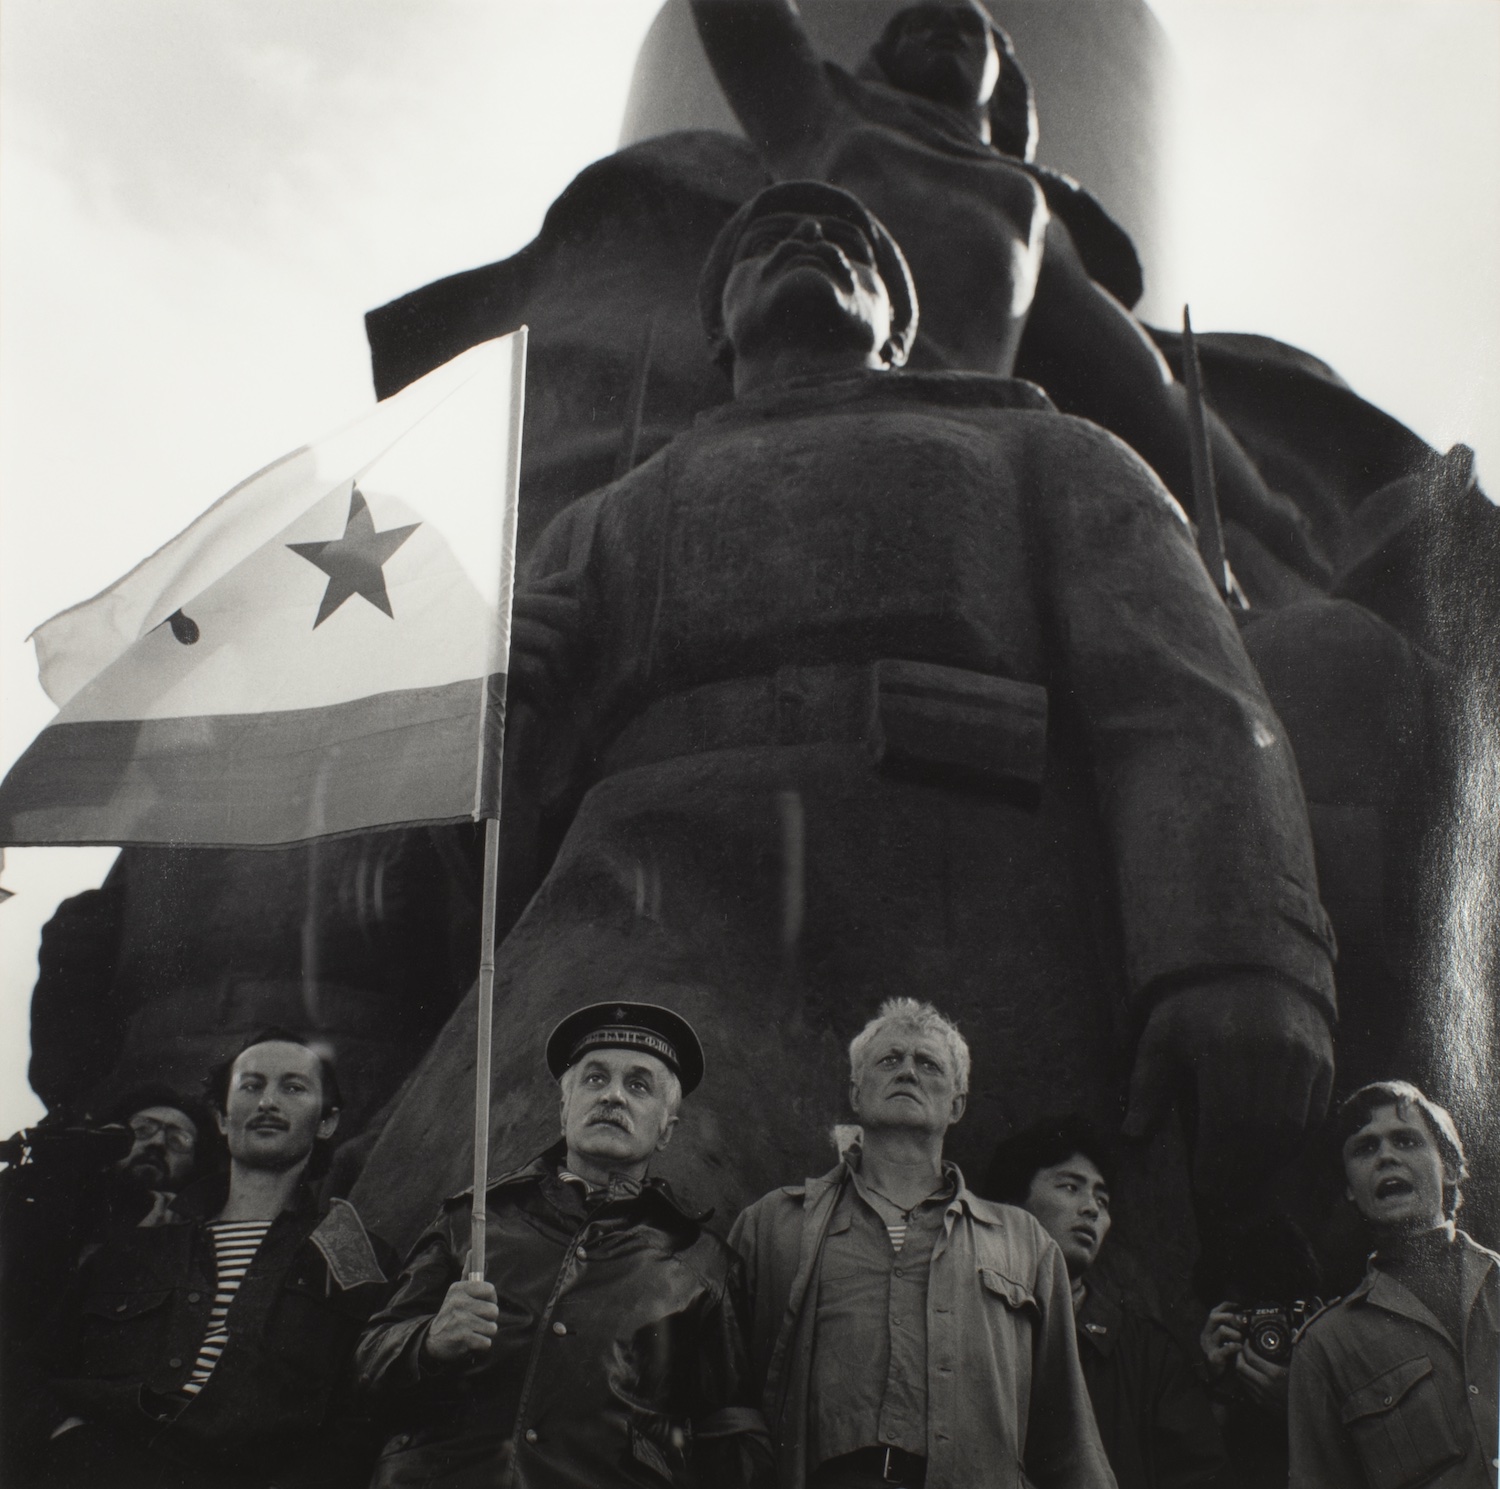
(1006, 1402)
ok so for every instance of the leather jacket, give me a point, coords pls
(619, 1358)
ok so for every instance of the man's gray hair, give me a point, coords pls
(908, 1013)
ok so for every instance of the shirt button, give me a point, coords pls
(581, 1254)
(175, 1363)
(559, 1328)
(530, 1434)
(1387, 1401)
(1473, 1390)
(120, 1307)
(194, 1297)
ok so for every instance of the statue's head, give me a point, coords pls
(955, 54)
(804, 263)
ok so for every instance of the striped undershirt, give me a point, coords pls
(235, 1245)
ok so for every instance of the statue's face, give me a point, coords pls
(804, 278)
(943, 52)
(1396, 1171)
(906, 1078)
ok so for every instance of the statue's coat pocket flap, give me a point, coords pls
(992, 730)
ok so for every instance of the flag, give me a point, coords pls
(323, 651)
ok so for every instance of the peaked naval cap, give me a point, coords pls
(630, 1026)
(820, 198)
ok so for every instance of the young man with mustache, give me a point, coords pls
(210, 1351)
(603, 1346)
(1396, 1384)
(1153, 1414)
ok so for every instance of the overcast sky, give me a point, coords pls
(200, 198)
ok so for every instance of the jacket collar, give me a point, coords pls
(1381, 1290)
(964, 1200)
(1099, 1320)
(547, 1163)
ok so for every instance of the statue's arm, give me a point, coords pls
(1228, 952)
(772, 77)
(1095, 360)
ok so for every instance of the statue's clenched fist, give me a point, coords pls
(464, 1325)
(1253, 1056)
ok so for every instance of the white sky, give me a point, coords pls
(200, 198)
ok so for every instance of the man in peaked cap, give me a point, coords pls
(604, 1345)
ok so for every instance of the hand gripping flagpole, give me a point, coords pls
(485, 1011)
(1205, 497)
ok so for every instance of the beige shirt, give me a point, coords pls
(869, 1369)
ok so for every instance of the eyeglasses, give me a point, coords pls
(178, 1139)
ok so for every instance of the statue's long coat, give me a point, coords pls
(785, 820)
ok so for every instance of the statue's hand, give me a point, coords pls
(1253, 1057)
(546, 623)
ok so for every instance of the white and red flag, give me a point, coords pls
(323, 651)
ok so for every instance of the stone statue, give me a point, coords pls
(936, 136)
(880, 682)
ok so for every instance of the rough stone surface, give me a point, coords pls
(748, 851)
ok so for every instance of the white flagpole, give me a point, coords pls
(485, 1013)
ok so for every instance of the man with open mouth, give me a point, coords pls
(603, 1346)
(1397, 1384)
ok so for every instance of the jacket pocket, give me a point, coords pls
(661, 1450)
(118, 1329)
(1400, 1427)
(1015, 1296)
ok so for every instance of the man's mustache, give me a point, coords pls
(612, 1116)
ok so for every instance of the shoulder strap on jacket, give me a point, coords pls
(344, 1243)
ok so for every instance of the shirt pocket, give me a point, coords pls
(1400, 1426)
(1017, 1297)
(118, 1328)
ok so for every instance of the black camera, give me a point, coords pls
(53, 1147)
(1270, 1328)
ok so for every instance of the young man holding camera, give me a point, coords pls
(1396, 1385)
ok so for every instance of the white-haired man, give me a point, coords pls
(905, 1331)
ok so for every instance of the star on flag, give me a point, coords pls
(355, 562)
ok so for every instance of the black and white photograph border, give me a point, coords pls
(201, 199)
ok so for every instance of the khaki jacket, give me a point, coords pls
(1382, 1398)
(1007, 1405)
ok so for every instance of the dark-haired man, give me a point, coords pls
(165, 1133)
(935, 135)
(209, 1351)
(1397, 1384)
(1153, 1414)
(602, 1345)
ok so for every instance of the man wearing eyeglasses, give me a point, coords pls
(164, 1155)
